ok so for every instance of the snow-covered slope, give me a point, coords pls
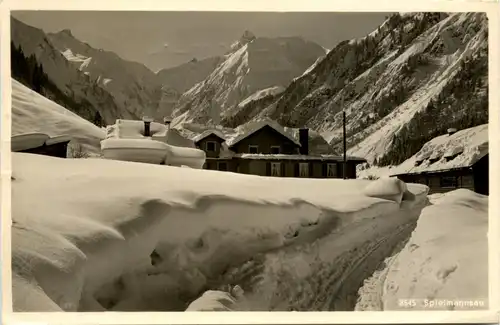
(31, 112)
(444, 265)
(135, 88)
(401, 85)
(94, 234)
(255, 63)
(185, 76)
(86, 96)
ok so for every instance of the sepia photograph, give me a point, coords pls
(177, 161)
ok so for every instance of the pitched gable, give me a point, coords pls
(259, 126)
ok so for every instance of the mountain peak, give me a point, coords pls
(66, 32)
(247, 37)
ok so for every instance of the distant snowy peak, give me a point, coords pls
(255, 64)
(135, 88)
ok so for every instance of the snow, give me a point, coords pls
(387, 188)
(125, 141)
(33, 140)
(261, 93)
(251, 128)
(461, 149)
(85, 61)
(380, 139)
(134, 129)
(28, 141)
(33, 113)
(79, 225)
(311, 68)
(263, 63)
(444, 265)
(207, 133)
(466, 146)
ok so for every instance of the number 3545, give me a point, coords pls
(407, 303)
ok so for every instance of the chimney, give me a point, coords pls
(167, 121)
(147, 125)
(304, 141)
(451, 131)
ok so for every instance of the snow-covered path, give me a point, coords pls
(323, 275)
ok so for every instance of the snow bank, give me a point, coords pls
(95, 234)
(33, 113)
(389, 188)
(444, 265)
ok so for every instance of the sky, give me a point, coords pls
(166, 39)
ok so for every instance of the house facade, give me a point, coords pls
(474, 178)
(267, 150)
(452, 161)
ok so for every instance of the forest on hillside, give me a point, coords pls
(30, 73)
(462, 104)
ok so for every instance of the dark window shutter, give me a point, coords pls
(296, 172)
(282, 169)
(311, 169)
(324, 170)
(268, 169)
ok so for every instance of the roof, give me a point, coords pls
(297, 157)
(256, 126)
(207, 133)
(447, 152)
(28, 141)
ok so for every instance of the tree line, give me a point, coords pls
(27, 70)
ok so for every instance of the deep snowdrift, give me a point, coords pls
(94, 234)
(444, 265)
(31, 112)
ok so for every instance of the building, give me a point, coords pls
(451, 161)
(266, 149)
(42, 144)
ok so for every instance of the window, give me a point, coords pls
(304, 169)
(449, 181)
(253, 149)
(211, 145)
(275, 150)
(222, 166)
(331, 170)
(275, 169)
(422, 180)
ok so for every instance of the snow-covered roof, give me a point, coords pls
(459, 150)
(33, 140)
(256, 126)
(296, 157)
(207, 133)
